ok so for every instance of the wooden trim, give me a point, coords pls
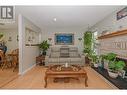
(113, 34)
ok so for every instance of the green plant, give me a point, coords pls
(94, 59)
(125, 69)
(106, 59)
(88, 43)
(1, 35)
(102, 57)
(88, 38)
(115, 66)
(86, 50)
(44, 46)
(110, 56)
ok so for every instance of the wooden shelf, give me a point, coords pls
(113, 34)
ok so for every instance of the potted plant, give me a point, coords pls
(115, 67)
(1, 37)
(124, 73)
(111, 56)
(95, 60)
(108, 58)
(102, 57)
(44, 47)
(88, 38)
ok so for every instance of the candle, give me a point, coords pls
(66, 65)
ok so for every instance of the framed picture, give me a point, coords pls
(122, 13)
(64, 39)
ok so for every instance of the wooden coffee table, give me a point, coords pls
(56, 72)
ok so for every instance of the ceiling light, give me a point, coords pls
(54, 19)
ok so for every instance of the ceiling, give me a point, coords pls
(66, 16)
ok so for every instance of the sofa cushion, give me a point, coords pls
(55, 49)
(55, 54)
(76, 60)
(74, 54)
(73, 49)
(53, 60)
(64, 60)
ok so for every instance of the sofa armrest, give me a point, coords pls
(48, 52)
(46, 58)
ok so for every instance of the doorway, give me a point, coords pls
(9, 52)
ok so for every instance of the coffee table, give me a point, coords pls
(58, 71)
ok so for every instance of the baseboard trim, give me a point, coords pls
(28, 69)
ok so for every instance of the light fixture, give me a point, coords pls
(49, 39)
(54, 19)
(79, 39)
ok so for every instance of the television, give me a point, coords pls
(64, 39)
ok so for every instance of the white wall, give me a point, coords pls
(13, 44)
(78, 33)
(111, 24)
(27, 54)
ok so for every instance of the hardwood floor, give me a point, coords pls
(7, 75)
(34, 79)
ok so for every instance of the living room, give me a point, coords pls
(61, 32)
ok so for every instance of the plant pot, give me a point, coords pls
(122, 73)
(44, 53)
(87, 60)
(100, 64)
(112, 74)
(106, 65)
(95, 65)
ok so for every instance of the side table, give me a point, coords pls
(40, 60)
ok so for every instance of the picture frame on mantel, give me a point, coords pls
(122, 13)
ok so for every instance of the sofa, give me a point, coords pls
(64, 54)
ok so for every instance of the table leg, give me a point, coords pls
(16, 65)
(45, 81)
(86, 78)
(55, 80)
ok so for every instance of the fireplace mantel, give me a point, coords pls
(113, 34)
